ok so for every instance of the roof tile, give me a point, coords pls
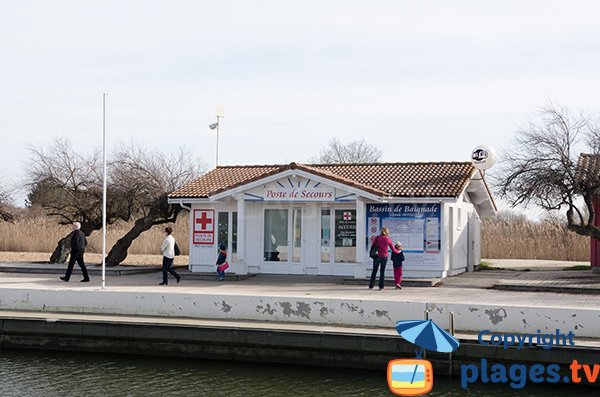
(439, 179)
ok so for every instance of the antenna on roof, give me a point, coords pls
(483, 158)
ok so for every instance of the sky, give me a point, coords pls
(424, 81)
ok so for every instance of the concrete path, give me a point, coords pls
(310, 300)
(533, 264)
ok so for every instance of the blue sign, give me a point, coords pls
(416, 226)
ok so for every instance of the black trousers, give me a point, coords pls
(77, 256)
(378, 263)
(168, 268)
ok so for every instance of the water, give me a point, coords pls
(41, 373)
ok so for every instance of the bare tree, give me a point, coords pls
(148, 177)
(68, 186)
(353, 152)
(5, 210)
(541, 167)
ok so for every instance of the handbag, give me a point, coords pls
(177, 250)
(373, 250)
(223, 267)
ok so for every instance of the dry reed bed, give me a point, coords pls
(521, 239)
(40, 234)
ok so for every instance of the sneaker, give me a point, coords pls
(398, 286)
(178, 280)
(66, 280)
(85, 280)
(162, 284)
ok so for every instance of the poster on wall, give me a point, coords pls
(345, 228)
(204, 227)
(416, 226)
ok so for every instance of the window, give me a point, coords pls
(345, 236)
(224, 233)
(223, 228)
(325, 235)
(297, 235)
(276, 235)
(234, 236)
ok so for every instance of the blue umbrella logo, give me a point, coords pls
(427, 335)
(414, 377)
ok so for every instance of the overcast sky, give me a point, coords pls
(425, 81)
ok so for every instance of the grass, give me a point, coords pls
(578, 267)
(487, 266)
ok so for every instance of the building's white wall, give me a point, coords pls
(447, 241)
(458, 246)
(254, 236)
(202, 257)
(311, 241)
(460, 236)
(474, 240)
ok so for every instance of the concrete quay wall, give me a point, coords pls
(372, 312)
(304, 345)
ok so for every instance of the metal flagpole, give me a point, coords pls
(104, 190)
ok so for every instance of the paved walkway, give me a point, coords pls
(561, 281)
(505, 301)
(454, 289)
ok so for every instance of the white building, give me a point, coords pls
(320, 219)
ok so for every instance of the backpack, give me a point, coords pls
(373, 251)
(177, 250)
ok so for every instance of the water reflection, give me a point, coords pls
(41, 373)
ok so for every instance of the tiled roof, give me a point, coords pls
(441, 179)
(588, 169)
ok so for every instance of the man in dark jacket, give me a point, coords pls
(78, 243)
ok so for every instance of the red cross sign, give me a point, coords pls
(347, 216)
(204, 222)
(204, 227)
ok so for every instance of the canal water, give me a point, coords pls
(48, 374)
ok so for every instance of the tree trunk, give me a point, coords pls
(585, 230)
(159, 214)
(118, 252)
(61, 252)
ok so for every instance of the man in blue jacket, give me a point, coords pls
(78, 243)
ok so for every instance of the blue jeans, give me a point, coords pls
(221, 275)
(378, 263)
(167, 267)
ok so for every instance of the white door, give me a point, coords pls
(282, 241)
(474, 241)
(337, 241)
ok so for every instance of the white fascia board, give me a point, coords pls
(480, 195)
(302, 173)
(408, 200)
(179, 200)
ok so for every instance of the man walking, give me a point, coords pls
(78, 243)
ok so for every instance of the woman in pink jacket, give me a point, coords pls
(382, 242)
